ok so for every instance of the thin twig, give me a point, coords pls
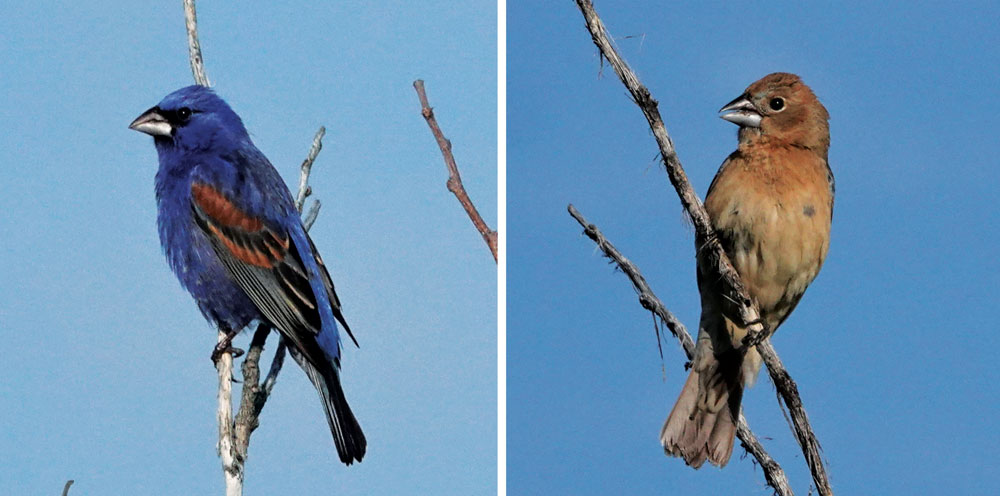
(304, 189)
(454, 178)
(647, 299)
(712, 259)
(773, 473)
(311, 215)
(276, 363)
(194, 48)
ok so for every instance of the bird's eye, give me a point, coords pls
(777, 104)
(184, 113)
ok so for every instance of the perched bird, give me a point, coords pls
(771, 204)
(232, 235)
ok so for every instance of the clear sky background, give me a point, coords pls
(894, 345)
(106, 371)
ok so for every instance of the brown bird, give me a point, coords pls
(771, 204)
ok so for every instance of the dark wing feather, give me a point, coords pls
(330, 291)
(263, 262)
(267, 265)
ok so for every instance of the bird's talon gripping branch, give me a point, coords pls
(224, 346)
(753, 338)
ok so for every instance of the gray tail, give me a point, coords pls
(702, 424)
(347, 435)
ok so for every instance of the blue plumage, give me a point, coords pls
(232, 235)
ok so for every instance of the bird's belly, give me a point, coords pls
(201, 273)
(778, 250)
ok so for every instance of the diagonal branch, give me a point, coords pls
(773, 473)
(713, 259)
(454, 178)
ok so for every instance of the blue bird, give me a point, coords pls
(232, 235)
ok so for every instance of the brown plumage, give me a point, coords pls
(771, 203)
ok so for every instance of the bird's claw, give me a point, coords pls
(218, 352)
(753, 338)
(225, 346)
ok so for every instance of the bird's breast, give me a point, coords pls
(191, 257)
(773, 216)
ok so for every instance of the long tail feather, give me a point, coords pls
(347, 435)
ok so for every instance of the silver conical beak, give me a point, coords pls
(741, 112)
(152, 123)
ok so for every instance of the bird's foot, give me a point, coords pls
(225, 346)
(755, 338)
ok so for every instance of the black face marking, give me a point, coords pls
(177, 118)
(808, 210)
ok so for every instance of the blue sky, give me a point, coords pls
(893, 346)
(106, 372)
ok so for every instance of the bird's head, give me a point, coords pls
(782, 107)
(191, 118)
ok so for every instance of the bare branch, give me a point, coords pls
(304, 189)
(647, 299)
(253, 395)
(789, 393)
(310, 217)
(454, 178)
(773, 473)
(232, 467)
(194, 48)
(276, 363)
(712, 259)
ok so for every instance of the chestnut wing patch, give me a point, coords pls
(263, 261)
